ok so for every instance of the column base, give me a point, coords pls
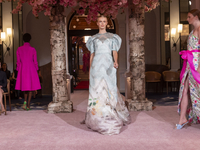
(60, 107)
(135, 105)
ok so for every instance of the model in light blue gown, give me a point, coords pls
(106, 111)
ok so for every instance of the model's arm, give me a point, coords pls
(13, 75)
(9, 75)
(115, 55)
(91, 59)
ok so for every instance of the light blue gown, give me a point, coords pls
(106, 111)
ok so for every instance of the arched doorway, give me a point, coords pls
(78, 32)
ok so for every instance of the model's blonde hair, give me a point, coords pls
(99, 16)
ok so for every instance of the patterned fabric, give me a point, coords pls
(193, 111)
(106, 111)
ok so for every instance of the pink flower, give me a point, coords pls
(81, 11)
(136, 2)
(73, 3)
(124, 1)
(120, 3)
(154, 5)
(146, 9)
(48, 12)
(83, 4)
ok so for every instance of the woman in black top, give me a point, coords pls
(4, 68)
(3, 84)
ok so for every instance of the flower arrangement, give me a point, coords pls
(90, 7)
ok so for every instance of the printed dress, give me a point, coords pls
(193, 111)
(106, 111)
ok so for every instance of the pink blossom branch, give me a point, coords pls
(92, 8)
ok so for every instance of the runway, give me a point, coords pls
(38, 130)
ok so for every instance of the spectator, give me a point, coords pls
(4, 68)
(3, 84)
(13, 83)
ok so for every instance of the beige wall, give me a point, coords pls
(121, 31)
(174, 21)
(152, 32)
(39, 30)
(7, 23)
(195, 4)
(164, 8)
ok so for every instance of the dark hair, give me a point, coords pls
(26, 37)
(5, 64)
(195, 12)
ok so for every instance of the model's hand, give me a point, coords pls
(116, 65)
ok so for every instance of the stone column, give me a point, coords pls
(61, 102)
(138, 101)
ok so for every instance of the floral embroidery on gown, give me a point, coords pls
(106, 111)
(193, 111)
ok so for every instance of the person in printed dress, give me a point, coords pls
(106, 111)
(189, 94)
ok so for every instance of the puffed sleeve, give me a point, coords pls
(90, 45)
(116, 43)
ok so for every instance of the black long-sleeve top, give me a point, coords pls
(8, 74)
(3, 80)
